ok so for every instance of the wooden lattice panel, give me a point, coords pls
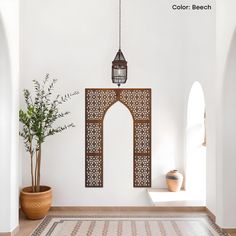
(98, 101)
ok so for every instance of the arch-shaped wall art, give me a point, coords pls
(98, 101)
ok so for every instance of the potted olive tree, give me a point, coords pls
(38, 123)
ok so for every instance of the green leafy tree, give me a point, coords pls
(38, 122)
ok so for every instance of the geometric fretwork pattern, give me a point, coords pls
(142, 138)
(142, 169)
(138, 102)
(94, 171)
(94, 138)
(98, 101)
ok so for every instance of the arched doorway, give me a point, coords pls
(5, 133)
(195, 167)
(226, 188)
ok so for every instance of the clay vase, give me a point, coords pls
(174, 180)
(36, 205)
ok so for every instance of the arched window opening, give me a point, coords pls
(195, 182)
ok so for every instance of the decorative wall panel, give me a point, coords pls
(98, 101)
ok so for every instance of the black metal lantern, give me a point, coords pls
(119, 64)
(119, 69)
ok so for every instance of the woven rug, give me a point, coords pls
(126, 226)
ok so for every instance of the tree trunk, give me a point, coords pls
(32, 173)
(32, 168)
(38, 169)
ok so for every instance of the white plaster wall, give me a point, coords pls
(5, 134)
(118, 156)
(199, 61)
(75, 41)
(9, 115)
(226, 80)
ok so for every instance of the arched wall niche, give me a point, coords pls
(195, 167)
(138, 102)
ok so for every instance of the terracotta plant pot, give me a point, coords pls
(174, 180)
(36, 205)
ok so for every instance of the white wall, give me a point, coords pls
(199, 65)
(9, 115)
(118, 159)
(75, 41)
(226, 80)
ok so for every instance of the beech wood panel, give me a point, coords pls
(138, 102)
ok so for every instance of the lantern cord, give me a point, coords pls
(119, 24)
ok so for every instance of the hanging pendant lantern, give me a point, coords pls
(119, 69)
(119, 64)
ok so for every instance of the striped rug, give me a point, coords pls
(126, 226)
